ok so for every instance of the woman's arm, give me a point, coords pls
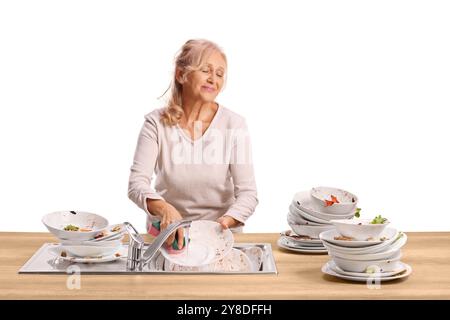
(139, 184)
(145, 157)
(241, 169)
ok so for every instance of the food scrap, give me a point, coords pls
(378, 220)
(116, 228)
(63, 254)
(358, 212)
(344, 238)
(100, 235)
(71, 227)
(332, 201)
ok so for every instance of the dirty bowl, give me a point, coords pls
(359, 229)
(91, 251)
(347, 201)
(310, 231)
(88, 224)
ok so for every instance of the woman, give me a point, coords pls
(199, 150)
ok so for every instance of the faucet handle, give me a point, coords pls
(135, 247)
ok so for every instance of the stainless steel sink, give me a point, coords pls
(44, 262)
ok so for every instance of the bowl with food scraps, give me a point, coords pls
(74, 225)
(333, 200)
(361, 229)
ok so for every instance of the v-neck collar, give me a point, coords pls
(213, 121)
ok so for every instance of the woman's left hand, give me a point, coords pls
(228, 222)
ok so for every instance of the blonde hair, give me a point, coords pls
(189, 59)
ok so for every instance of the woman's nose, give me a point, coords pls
(211, 78)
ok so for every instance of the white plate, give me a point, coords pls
(294, 245)
(283, 245)
(256, 256)
(327, 270)
(332, 265)
(234, 261)
(58, 249)
(330, 234)
(295, 238)
(303, 202)
(209, 242)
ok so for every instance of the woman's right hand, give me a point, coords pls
(169, 214)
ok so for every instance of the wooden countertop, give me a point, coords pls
(299, 276)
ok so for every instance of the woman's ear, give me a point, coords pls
(179, 76)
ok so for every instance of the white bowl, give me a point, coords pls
(106, 243)
(304, 202)
(347, 201)
(57, 221)
(384, 255)
(298, 219)
(91, 251)
(306, 216)
(310, 231)
(362, 266)
(391, 233)
(359, 229)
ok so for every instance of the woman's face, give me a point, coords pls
(206, 83)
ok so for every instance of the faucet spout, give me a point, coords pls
(161, 238)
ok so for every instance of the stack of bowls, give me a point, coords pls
(84, 235)
(309, 216)
(362, 251)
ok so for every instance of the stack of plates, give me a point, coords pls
(85, 237)
(366, 260)
(307, 220)
(304, 244)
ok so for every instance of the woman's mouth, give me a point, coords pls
(208, 89)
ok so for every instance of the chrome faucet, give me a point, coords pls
(136, 258)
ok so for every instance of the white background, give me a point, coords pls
(352, 94)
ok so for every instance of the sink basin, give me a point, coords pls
(45, 262)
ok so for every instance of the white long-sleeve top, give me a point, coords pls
(204, 178)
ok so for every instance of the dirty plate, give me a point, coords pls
(282, 243)
(234, 261)
(328, 270)
(60, 252)
(209, 242)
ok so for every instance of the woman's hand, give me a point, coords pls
(168, 215)
(228, 222)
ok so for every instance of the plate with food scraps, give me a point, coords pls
(305, 240)
(59, 252)
(234, 261)
(301, 240)
(334, 237)
(370, 272)
(282, 244)
(327, 270)
(208, 243)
